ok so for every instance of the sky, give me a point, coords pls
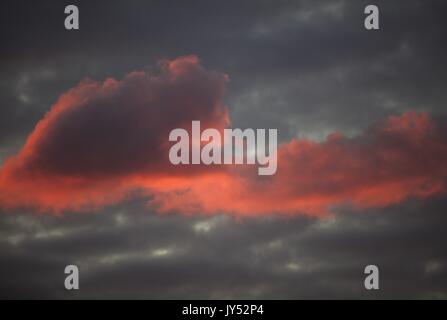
(362, 154)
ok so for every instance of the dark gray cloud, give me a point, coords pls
(310, 60)
(305, 67)
(128, 252)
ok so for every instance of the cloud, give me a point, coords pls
(101, 136)
(102, 141)
(399, 158)
(261, 258)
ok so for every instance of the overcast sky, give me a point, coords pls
(89, 185)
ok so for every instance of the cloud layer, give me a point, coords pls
(308, 68)
(126, 252)
(103, 141)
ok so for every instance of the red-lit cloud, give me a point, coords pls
(102, 141)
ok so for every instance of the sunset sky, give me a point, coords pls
(85, 177)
